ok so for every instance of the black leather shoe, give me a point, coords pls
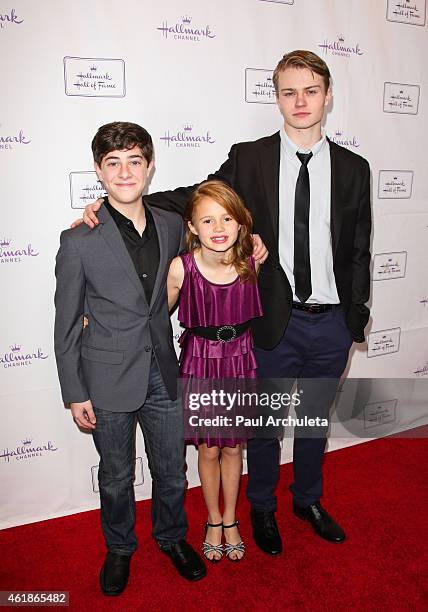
(186, 560)
(114, 573)
(321, 521)
(265, 532)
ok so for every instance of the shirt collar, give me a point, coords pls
(290, 149)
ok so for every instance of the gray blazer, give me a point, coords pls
(108, 362)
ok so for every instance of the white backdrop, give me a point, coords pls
(198, 73)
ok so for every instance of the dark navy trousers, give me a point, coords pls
(314, 346)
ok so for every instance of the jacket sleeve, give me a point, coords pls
(359, 312)
(69, 310)
(176, 199)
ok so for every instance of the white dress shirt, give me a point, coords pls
(322, 276)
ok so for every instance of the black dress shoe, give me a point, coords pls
(265, 532)
(321, 521)
(186, 560)
(114, 573)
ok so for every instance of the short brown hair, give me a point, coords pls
(302, 59)
(121, 136)
(234, 206)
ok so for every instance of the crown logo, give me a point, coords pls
(187, 127)
(401, 91)
(26, 442)
(186, 19)
(341, 39)
(338, 133)
(93, 68)
(4, 242)
(395, 178)
(15, 348)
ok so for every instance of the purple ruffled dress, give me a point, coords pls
(203, 303)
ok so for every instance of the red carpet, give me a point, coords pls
(378, 491)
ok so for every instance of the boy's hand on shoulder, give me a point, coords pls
(90, 215)
(260, 252)
(83, 414)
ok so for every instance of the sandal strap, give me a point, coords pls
(217, 548)
(230, 548)
(235, 524)
(213, 524)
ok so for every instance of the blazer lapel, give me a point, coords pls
(336, 199)
(269, 158)
(109, 231)
(162, 231)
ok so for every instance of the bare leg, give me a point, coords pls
(209, 474)
(231, 468)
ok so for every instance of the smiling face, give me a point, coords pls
(216, 229)
(124, 175)
(302, 99)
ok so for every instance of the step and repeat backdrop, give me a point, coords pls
(198, 76)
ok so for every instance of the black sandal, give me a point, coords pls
(212, 548)
(231, 548)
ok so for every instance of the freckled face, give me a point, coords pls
(302, 97)
(124, 175)
(215, 228)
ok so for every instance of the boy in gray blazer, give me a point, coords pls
(121, 367)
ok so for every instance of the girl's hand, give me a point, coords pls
(260, 252)
(90, 215)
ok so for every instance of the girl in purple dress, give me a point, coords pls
(216, 284)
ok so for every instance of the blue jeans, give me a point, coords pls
(161, 421)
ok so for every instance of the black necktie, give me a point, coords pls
(302, 263)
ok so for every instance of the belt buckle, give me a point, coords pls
(230, 332)
(314, 308)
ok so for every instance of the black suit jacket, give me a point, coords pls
(252, 169)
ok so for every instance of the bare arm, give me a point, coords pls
(174, 281)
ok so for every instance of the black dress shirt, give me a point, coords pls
(143, 250)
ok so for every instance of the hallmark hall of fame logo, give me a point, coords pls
(10, 253)
(401, 98)
(17, 356)
(383, 342)
(28, 449)
(412, 12)
(9, 18)
(259, 87)
(85, 187)
(94, 77)
(395, 184)
(387, 266)
(185, 29)
(187, 137)
(340, 47)
(380, 413)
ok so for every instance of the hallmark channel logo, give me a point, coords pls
(259, 87)
(345, 140)
(340, 47)
(28, 450)
(380, 413)
(424, 301)
(387, 266)
(401, 98)
(412, 12)
(395, 184)
(8, 140)
(9, 19)
(187, 138)
(94, 77)
(85, 187)
(383, 342)
(138, 480)
(9, 253)
(17, 357)
(185, 29)
(421, 371)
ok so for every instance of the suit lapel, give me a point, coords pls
(162, 232)
(336, 196)
(110, 233)
(269, 159)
